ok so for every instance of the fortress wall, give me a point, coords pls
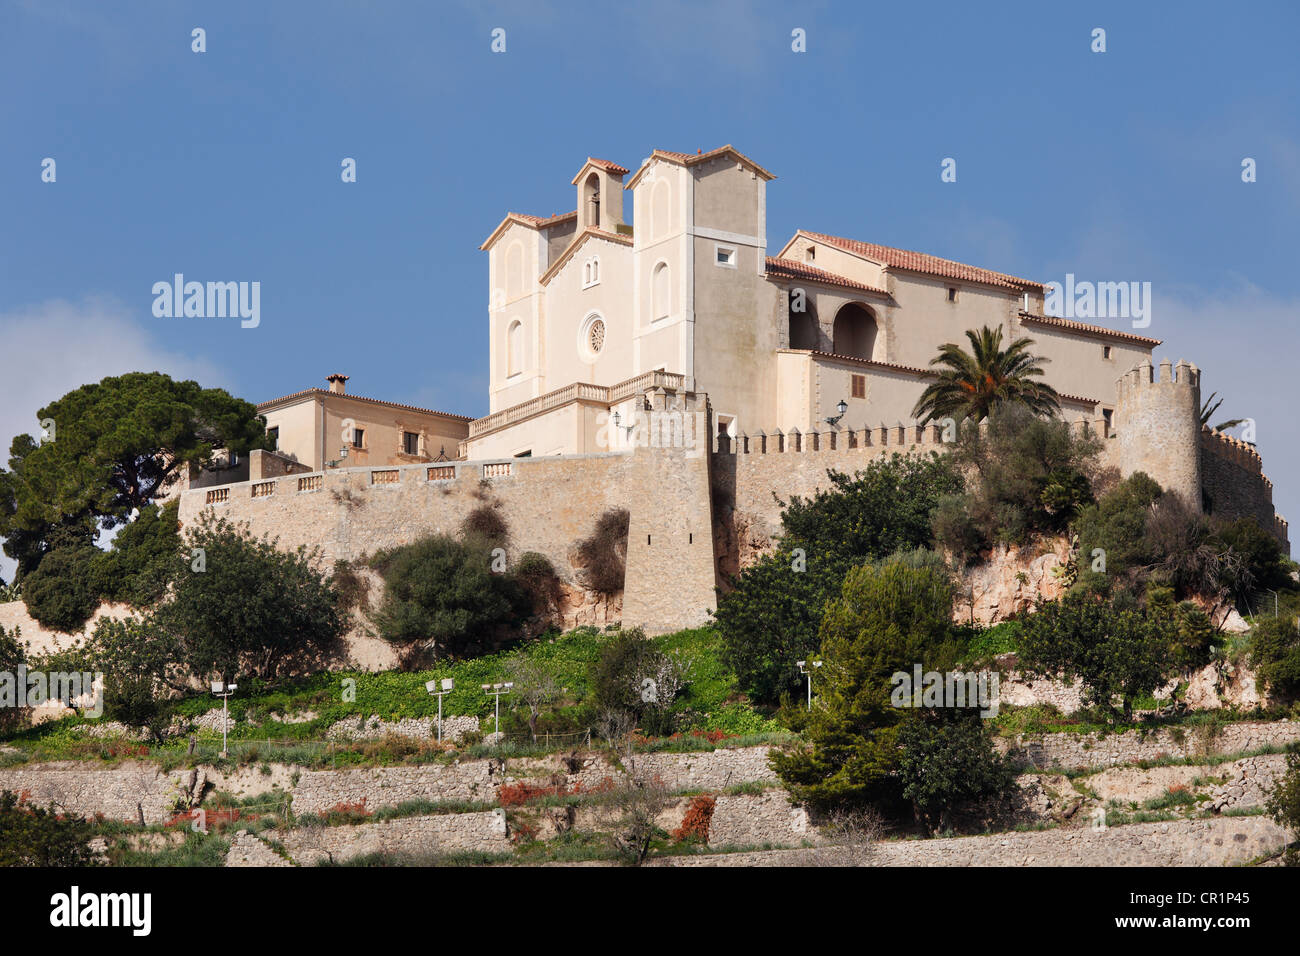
(1234, 485)
(549, 504)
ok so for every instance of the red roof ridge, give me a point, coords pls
(779, 268)
(361, 398)
(1086, 327)
(910, 261)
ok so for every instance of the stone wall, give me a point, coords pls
(549, 505)
(1087, 751)
(1234, 485)
(1227, 841)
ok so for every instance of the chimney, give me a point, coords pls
(338, 383)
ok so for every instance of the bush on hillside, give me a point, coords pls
(1117, 654)
(139, 662)
(63, 591)
(634, 677)
(771, 616)
(1031, 476)
(248, 607)
(1275, 655)
(889, 616)
(946, 758)
(1283, 803)
(443, 599)
(37, 836)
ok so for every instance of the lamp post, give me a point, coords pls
(842, 407)
(496, 690)
(803, 669)
(447, 686)
(223, 690)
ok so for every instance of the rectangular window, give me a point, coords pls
(1105, 351)
(859, 386)
(1106, 413)
(411, 443)
(952, 293)
(726, 256)
(358, 438)
(273, 433)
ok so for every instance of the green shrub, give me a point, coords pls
(947, 757)
(1284, 802)
(63, 591)
(1275, 655)
(1032, 476)
(248, 607)
(633, 676)
(889, 617)
(443, 599)
(144, 557)
(771, 615)
(36, 836)
(1115, 653)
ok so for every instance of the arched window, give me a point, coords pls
(854, 332)
(661, 292)
(803, 320)
(592, 198)
(515, 348)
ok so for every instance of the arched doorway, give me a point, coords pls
(803, 321)
(854, 332)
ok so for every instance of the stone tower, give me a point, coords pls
(1158, 426)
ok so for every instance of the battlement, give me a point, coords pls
(881, 438)
(1183, 375)
(1234, 450)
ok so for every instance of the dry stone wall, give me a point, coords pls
(1089, 751)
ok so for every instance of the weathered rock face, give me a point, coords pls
(1009, 579)
(1224, 684)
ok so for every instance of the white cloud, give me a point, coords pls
(55, 346)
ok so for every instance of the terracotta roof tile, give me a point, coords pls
(525, 219)
(608, 166)
(691, 159)
(361, 398)
(921, 262)
(793, 269)
(1101, 330)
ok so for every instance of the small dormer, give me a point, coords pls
(600, 194)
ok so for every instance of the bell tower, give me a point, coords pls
(600, 194)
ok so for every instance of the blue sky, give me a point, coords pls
(225, 166)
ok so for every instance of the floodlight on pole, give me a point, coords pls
(496, 690)
(803, 669)
(439, 689)
(223, 690)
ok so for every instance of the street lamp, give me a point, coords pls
(803, 669)
(496, 690)
(447, 685)
(842, 407)
(223, 690)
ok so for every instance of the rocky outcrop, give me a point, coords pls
(1008, 580)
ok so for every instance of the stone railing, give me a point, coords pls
(578, 391)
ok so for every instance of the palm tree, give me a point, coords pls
(973, 384)
(1207, 410)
